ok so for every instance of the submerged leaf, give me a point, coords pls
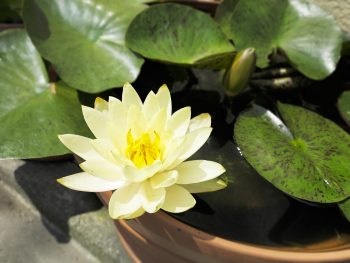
(84, 40)
(307, 157)
(345, 208)
(177, 34)
(308, 36)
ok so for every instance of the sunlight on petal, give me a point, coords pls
(88, 183)
(178, 199)
(198, 171)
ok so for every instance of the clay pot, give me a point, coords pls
(161, 238)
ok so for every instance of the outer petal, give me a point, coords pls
(198, 171)
(179, 121)
(152, 199)
(135, 214)
(102, 169)
(79, 145)
(125, 202)
(192, 142)
(201, 121)
(130, 96)
(96, 121)
(164, 179)
(207, 186)
(88, 183)
(164, 99)
(178, 199)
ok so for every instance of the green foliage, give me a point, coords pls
(344, 106)
(307, 157)
(84, 40)
(179, 34)
(32, 112)
(306, 34)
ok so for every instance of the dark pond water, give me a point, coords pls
(250, 209)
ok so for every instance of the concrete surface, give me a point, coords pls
(61, 219)
(24, 238)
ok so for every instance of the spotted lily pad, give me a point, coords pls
(308, 36)
(177, 34)
(344, 106)
(32, 111)
(84, 39)
(307, 157)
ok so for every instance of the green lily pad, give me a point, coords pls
(32, 112)
(84, 40)
(22, 71)
(308, 36)
(307, 157)
(344, 106)
(345, 208)
(30, 130)
(178, 34)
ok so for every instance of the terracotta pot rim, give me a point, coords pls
(271, 253)
(337, 254)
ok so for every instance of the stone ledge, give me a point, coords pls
(65, 213)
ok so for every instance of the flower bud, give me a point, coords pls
(238, 75)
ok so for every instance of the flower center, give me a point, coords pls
(144, 150)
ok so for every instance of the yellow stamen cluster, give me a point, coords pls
(144, 150)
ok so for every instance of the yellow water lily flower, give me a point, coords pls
(140, 151)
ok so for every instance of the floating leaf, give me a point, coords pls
(344, 106)
(307, 158)
(308, 36)
(31, 113)
(22, 71)
(84, 39)
(30, 130)
(345, 208)
(177, 34)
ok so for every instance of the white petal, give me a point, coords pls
(88, 183)
(171, 152)
(150, 106)
(133, 174)
(207, 186)
(192, 142)
(164, 179)
(152, 199)
(178, 199)
(102, 169)
(80, 145)
(130, 96)
(118, 113)
(197, 171)
(135, 214)
(201, 121)
(158, 122)
(125, 201)
(135, 121)
(103, 148)
(164, 99)
(96, 121)
(179, 121)
(101, 104)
